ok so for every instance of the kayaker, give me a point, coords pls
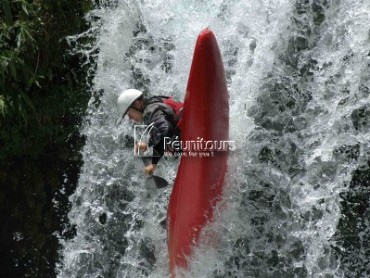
(161, 112)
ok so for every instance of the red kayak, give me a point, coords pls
(200, 178)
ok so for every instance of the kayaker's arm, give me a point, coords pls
(161, 128)
(149, 169)
(141, 147)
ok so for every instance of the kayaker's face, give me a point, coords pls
(134, 113)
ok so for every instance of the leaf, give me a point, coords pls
(2, 105)
(19, 39)
(37, 83)
(24, 8)
(28, 34)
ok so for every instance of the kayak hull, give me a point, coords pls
(201, 175)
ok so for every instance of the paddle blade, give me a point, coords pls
(160, 182)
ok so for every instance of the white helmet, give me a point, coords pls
(127, 98)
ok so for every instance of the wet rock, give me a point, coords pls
(301, 43)
(147, 251)
(103, 218)
(347, 152)
(361, 118)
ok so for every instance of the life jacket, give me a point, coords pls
(173, 111)
(177, 107)
(169, 103)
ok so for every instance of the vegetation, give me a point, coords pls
(43, 95)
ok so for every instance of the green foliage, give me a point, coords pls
(19, 26)
(40, 86)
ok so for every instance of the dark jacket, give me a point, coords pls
(163, 119)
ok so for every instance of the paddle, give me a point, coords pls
(158, 182)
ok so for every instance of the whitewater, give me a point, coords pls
(297, 199)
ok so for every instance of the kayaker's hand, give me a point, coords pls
(149, 169)
(141, 147)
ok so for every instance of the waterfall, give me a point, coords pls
(298, 77)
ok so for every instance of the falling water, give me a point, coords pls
(296, 202)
